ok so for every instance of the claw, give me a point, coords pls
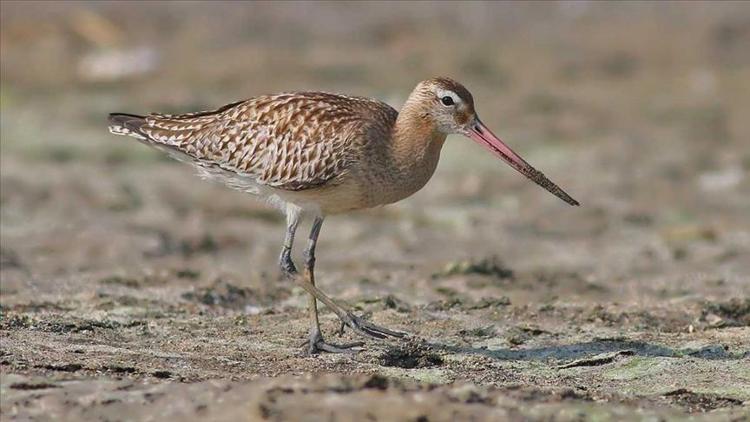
(366, 328)
(316, 344)
(322, 346)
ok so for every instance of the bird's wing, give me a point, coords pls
(291, 141)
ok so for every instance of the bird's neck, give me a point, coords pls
(404, 162)
(416, 138)
(410, 158)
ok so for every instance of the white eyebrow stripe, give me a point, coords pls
(446, 92)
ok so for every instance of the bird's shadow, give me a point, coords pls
(583, 350)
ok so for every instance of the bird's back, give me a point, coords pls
(290, 141)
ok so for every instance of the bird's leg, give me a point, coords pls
(359, 325)
(315, 342)
(289, 270)
(285, 259)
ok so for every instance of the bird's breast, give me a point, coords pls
(393, 177)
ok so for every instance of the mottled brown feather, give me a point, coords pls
(291, 141)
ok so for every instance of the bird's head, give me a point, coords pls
(447, 104)
(449, 107)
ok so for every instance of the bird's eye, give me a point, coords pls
(447, 101)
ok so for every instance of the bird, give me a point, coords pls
(317, 154)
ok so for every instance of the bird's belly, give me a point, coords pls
(356, 193)
(327, 200)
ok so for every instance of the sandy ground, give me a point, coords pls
(132, 290)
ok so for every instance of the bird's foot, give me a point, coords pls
(315, 344)
(366, 328)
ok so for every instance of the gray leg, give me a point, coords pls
(310, 272)
(316, 343)
(348, 319)
(285, 259)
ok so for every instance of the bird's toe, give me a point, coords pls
(368, 329)
(316, 344)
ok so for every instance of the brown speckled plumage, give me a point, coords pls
(292, 141)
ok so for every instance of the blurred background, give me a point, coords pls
(640, 110)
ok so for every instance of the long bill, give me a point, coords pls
(486, 138)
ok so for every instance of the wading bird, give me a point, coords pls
(317, 154)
